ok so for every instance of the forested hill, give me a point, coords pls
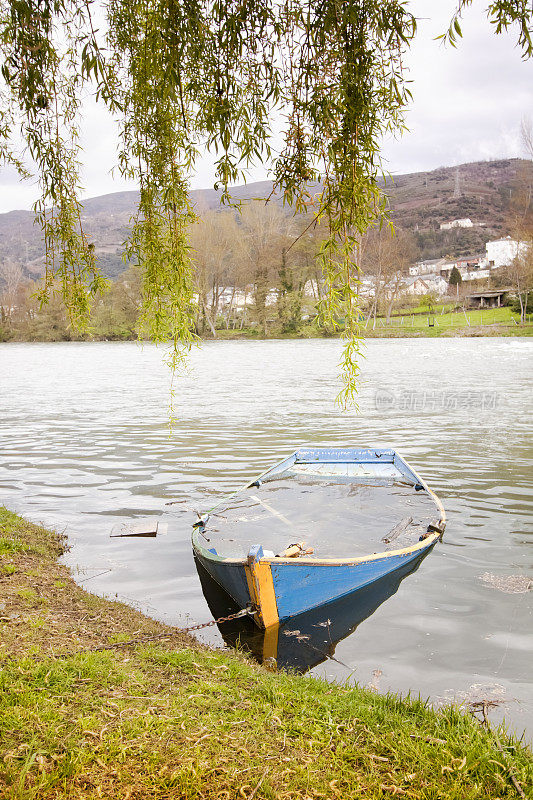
(419, 202)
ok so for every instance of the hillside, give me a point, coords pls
(419, 202)
(482, 191)
(106, 220)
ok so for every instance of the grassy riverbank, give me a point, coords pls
(445, 321)
(393, 331)
(174, 719)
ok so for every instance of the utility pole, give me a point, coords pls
(457, 190)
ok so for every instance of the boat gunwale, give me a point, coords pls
(355, 560)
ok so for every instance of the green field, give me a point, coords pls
(446, 321)
(445, 318)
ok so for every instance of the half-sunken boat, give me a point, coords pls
(306, 640)
(318, 526)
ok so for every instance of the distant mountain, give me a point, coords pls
(106, 221)
(419, 202)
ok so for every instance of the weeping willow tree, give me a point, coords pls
(182, 76)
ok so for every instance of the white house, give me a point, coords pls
(445, 268)
(425, 284)
(235, 297)
(457, 223)
(429, 266)
(367, 286)
(437, 284)
(474, 275)
(501, 252)
(415, 285)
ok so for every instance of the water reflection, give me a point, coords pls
(304, 641)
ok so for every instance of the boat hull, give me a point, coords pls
(305, 640)
(230, 576)
(301, 586)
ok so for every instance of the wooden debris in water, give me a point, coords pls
(296, 550)
(148, 528)
(397, 530)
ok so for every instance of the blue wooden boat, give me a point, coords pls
(306, 640)
(364, 513)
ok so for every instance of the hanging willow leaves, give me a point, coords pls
(503, 15)
(182, 75)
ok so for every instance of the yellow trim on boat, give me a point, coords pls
(270, 645)
(261, 588)
(363, 559)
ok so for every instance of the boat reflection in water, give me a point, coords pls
(303, 641)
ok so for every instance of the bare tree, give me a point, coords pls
(521, 207)
(526, 133)
(519, 275)
(266, 231)
(384, 258)
(11, 278)
(116, 314)
(215, 245)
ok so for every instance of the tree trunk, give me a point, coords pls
(229, 313)
(390, 306)
(522, 310)
(209, 321)
(261, 294)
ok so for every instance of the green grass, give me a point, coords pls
(487, 322)
(414, 322)
(9, 546)
(27, 594)
(19, 536)
(207, 724)
(178, 720)
(418, 318)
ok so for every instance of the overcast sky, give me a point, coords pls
(467, 106)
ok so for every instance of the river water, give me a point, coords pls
(85, 445)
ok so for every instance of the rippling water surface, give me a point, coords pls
(85, 445)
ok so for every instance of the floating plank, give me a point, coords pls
(147, 528)
(397, 530)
